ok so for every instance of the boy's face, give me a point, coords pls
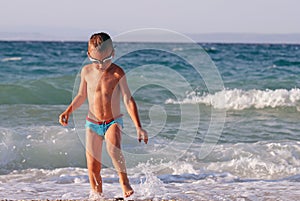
(102, 59)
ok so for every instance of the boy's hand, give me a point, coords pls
(63, 118)
(142, 134)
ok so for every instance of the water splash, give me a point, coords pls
(151, 187)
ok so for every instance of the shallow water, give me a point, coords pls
(257, 155)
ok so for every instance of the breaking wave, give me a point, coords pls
(238, 99)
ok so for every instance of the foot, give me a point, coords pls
(96, 196)
(127, 190)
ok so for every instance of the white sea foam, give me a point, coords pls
(231, 169)
(242, 159)
(61, 183)
(261, 160)
(238, 99)
(12, 59)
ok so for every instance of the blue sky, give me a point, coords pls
(77, 19)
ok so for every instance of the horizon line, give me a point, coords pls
(213, 37)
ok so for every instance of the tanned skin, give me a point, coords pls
(104, 85)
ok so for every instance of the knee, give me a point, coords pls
(113, 151)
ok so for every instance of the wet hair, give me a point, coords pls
(101, 41)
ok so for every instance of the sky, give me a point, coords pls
(69, 19)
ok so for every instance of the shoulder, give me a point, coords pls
(118, 71)
(86, 69)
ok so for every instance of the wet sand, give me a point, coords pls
(112, 199)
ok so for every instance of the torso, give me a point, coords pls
(103, 92)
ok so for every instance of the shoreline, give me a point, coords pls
(109, 199)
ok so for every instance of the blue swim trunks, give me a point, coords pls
(101, 127)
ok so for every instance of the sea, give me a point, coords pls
(222, 119)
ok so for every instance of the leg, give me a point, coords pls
(93, 156)
(113, 144)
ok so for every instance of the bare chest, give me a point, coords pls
(104, 83)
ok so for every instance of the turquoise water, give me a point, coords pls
(259, 142)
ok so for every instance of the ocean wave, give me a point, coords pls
(72, 184)
(51, 147)
(261, 160)
(286, 62)
(52, 158)
(39, 147)
(238, 99)
(43, 91)
(11, 59)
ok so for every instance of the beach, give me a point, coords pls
(225, 129)
(112, 199)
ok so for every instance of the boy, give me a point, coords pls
(103, 83)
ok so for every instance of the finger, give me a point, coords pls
(63, 121)
(146, 137)
(66, 119)
(139, 137)
(60, 120)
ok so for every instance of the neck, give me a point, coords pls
(103, 69)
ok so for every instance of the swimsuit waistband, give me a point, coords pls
(103, 122)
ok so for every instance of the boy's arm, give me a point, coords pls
(132, 109)
(77, 101)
